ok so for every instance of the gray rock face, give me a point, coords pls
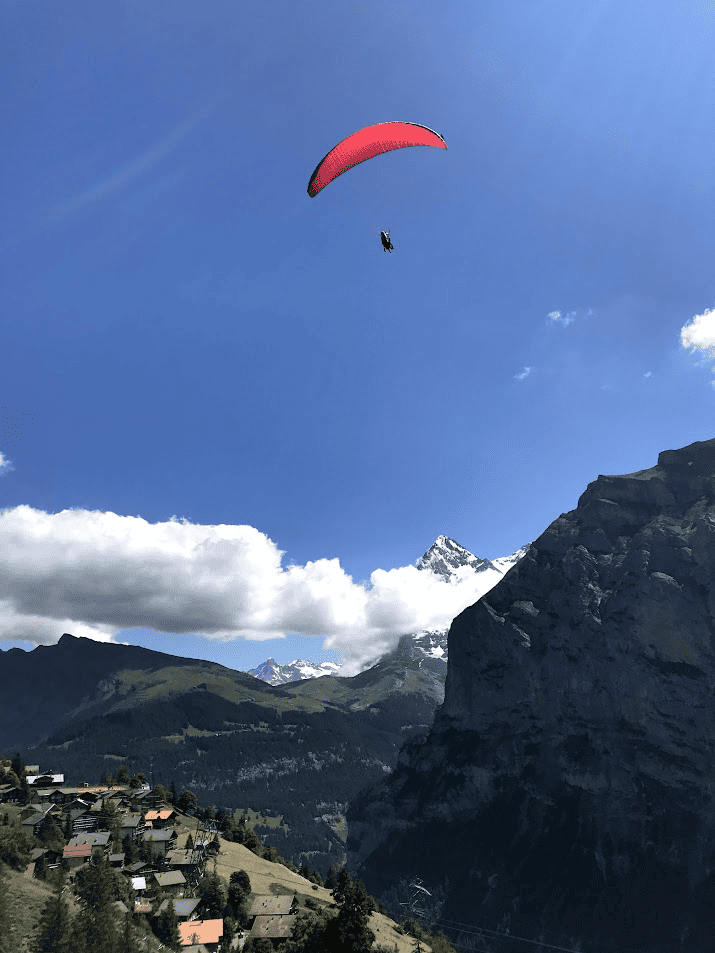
(568, 782)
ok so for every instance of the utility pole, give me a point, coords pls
(413, 905)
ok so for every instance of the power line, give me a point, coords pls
(468, 928)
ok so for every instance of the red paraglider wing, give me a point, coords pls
(369, 142)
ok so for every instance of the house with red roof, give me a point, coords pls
(208, 932)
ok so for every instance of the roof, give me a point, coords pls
(183, 908)
(158, 835)
(178, 858)
(267, 905)
(273, 926)
(34, 818)
(115, 857)
(170, 878)
(54, 778)
(99, 839)
(159, 815)
(139, 883)
(208, 931)
(77, 850)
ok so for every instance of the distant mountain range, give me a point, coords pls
(295, 671)
(444, 558)
(302, 747)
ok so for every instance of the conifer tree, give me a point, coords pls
(18, 766)
(4, 909)
(167, 926)
(54, 929)
(24, 791)
(189, 842)
(172, 793)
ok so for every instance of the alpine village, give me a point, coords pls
(123, 867)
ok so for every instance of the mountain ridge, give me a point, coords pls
(567, 783)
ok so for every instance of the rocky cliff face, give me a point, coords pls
(568, 782)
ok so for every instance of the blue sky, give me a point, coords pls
(185, 333)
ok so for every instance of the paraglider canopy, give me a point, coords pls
(367, 143)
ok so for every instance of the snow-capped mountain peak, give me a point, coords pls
(445, 556)
(294, 671)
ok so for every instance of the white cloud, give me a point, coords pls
(524, 373)
(5, 464)
(700, 333)
(560, 318)
(132, 170)
(93, 574)
(648, 374)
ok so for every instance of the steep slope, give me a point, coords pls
(568, 781)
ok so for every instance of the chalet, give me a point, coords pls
(141, 870)
(274, 917)
(44, 809)
(31, 824)
(117, 860)
(159, 841)
(99, 842)
(268, 905)
(75, 807)
(132, 824)
(185, 909)
(173, 881)
(45, 780)
(275, 929)
(40, 796)
(77, 855)
(158, 820)
(207, 932)
(10, 795)
(153, 799)
(52, 858)
(63, 795)
(182, 859)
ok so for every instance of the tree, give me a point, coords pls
(167, 926)
(122, 775)
(161, 791)
(24, 791)
(187, 802)
(351, 923)
(4, 910)
(94, 928)
(230, 929)
(137, 781)
(128, 942)
(50, 834)
(18, 766)
(15, 847)
(189, 843)
(239, 890)
(214, 892)
(172, 793)
(54, 928)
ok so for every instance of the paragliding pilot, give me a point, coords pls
(386, 243)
